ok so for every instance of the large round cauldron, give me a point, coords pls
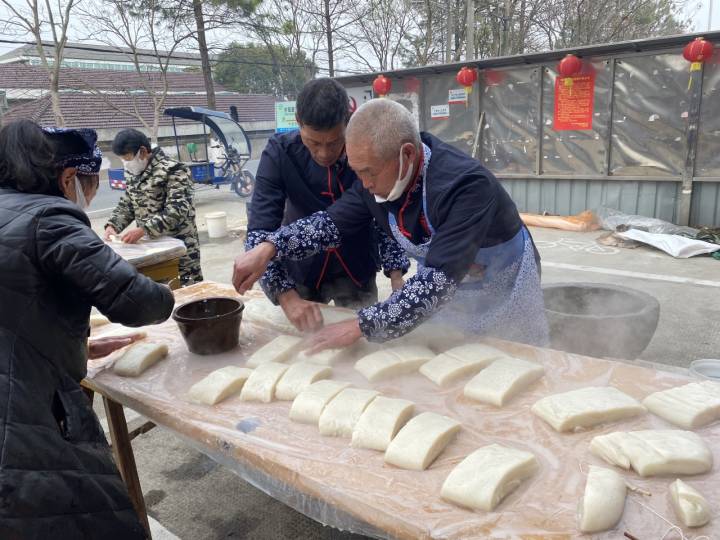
(600, 320)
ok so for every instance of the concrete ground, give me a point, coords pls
(191, 497)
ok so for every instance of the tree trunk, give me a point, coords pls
(328, 31)
(449, 37)
(204, 55)
(55, 96)
(470, 32)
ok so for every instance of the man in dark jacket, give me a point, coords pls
(57, 476)
(302, 172)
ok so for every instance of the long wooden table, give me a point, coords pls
(353, 489)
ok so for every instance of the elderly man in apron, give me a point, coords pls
(478, 269)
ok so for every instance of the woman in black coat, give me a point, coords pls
(57, 477)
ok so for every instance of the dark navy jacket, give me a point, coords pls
(290, 185)
(466, 205)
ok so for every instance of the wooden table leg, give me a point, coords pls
(125, 459)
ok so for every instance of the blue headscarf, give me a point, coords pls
(76, 148)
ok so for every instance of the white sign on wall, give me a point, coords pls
(457, 96)
(440, 112)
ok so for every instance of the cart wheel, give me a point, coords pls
(243, 184)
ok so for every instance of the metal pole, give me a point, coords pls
(711, 2)
(177, 143)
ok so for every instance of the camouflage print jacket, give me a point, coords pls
(160, 200)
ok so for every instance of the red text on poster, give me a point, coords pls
(574, 100)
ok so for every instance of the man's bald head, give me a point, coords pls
(379, 133)
(384, 125)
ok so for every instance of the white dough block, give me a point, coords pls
(98, 320)
(690, 406)
(603, 502)
(393, 361)
(586, 407)
(502, 380)
(340, 415)
(459, 362)
(380, 422)
(324, 358)
(689, 504)
(279, 350)
(421, 440)
(298, 377)
(260, 385)
(262, 311)
(139, 357)
(309, 404)
(219, 385)
(437, 337)
(334, 315)
(654, 451)
(487, 476)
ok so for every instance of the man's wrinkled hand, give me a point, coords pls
(251, 265)
(305, 315)
(100, 347)
(334, 336)
(396, 280)
(133, 235)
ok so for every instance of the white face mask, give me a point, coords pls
(400, 184)
(136, 165)
(80, 199)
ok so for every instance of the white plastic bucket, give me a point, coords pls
(216, 224)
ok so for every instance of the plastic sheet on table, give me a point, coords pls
(150, 251)
(353, 489)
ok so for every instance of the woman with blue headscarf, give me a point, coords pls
(57, 476)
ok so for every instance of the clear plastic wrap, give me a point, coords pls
(610, 219)
(353, 489)
(149, 251)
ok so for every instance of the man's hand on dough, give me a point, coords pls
(334, 336)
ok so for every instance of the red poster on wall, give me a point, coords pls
(574, 102)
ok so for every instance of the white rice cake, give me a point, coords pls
(459, 362)
(260, 385)
(586, 407)
(689, 504)
(487, 476)
(309, 404)
(603, 502)
(503, 379)
(219, 385)
(654, 451)
(262, 311)
(336, 315)
(339, 417)
(437, 337)
(279, 350)
(139, 357)
(393, 361)
(380, 422)
(324, 358)
(297, 378)
(98, 320)
(421, 440)
(690, 406)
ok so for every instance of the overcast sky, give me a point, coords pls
(697, 11)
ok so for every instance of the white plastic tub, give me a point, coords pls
(216, 224)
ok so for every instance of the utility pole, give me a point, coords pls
(711, 2)
(470, 33)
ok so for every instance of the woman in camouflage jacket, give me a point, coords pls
(159, 197)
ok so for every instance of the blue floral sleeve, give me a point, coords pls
(305, 237)
(275, 280)
(408, 307)
(392, 256)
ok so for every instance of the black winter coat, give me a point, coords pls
(57, 477)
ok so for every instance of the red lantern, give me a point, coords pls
(569, 66)
(382, 85)
(466, 77)
(696, 52)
